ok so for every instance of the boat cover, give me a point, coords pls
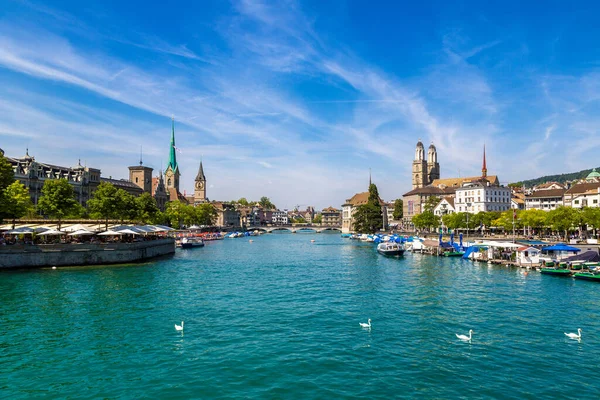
(586, 256)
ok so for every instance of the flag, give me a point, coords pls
(177, 149)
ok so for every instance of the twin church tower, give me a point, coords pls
(425, 171)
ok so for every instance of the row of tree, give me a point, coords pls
(264, 202)
(562, 220)
(57, 201)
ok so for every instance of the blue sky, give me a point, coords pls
(297, 100)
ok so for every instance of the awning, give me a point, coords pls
(561, 247)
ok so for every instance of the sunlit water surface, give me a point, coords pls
(279, 318)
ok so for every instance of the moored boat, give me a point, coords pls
(588, 276)
(453, 253)
(556, 271)
(390, 249)
(190, 242)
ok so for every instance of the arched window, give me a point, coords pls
(169, 182)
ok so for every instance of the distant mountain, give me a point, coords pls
(561, 178)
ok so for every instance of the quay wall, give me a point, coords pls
(36, 256)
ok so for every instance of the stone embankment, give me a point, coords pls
(50, 255)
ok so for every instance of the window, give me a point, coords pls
(576, 201)
(136, 180)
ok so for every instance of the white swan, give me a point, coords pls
(574, 335)
(179, 327)
(367, 325)
(465, 337)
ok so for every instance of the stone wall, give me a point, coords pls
(35, 256)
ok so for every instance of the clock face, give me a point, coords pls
(200, 185)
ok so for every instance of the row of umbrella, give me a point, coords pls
(82, 231)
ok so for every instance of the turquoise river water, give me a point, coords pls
(279, 318)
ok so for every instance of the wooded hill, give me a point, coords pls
(561, 178)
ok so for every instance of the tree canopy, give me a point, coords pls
(368, 218)
(398, 210)
(17, 201)
(6, 179)
(58, 200)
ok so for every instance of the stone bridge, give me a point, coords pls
(296, 228)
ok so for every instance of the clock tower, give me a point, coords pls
(200, 186)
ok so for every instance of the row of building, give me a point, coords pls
(164, 187)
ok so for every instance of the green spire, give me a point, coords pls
(172, 156)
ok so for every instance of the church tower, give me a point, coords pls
(200, 187)
(141, 176)
(484, 167)
(172, 171)
(433, 167)
(419, 167)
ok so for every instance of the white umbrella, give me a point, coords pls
(75, 228)
(129, 231)
(109, 232)
(51, 232)
(81, 233)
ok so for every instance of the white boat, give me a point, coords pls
(390, 249)
(190, 242)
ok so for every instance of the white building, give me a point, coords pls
(477, 196)
(279, 218)
(445, 206)
(544, 199)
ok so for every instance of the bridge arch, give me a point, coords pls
(279, 229)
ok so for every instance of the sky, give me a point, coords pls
(296, 100)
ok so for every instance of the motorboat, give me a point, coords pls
(191, 242)
(390, 249)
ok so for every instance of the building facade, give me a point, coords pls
(33, 174)
(331, 217)
(279, 218)
(544, 199)
(481, 195)
(350, 207)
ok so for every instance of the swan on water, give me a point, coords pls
(465, 337)
(367, 325)
(179, 327)
(574, 335)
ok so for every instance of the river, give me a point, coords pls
(279, 318)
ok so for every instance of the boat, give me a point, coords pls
(556, 271)
(588, 276)
(453, 253)
(390, 249)
(190, 242)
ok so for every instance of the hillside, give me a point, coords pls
(561, 178)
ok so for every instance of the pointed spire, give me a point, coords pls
(172, 156)
(370, 177)
(200, 176)
(484, 168)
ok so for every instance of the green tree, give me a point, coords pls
(455, 220)
(591, 217)
(266, 203)
(57, 200)
(426, 220)
(179, 214)
(318, 219)
(243, 201)
(204, 214)
(298, 220)
(127, 207)
(564, 218)
(17, 201)
(398, 210)
(147, 208)
(6, 179)
(368, 218)
(104, 203)
(430, 203)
